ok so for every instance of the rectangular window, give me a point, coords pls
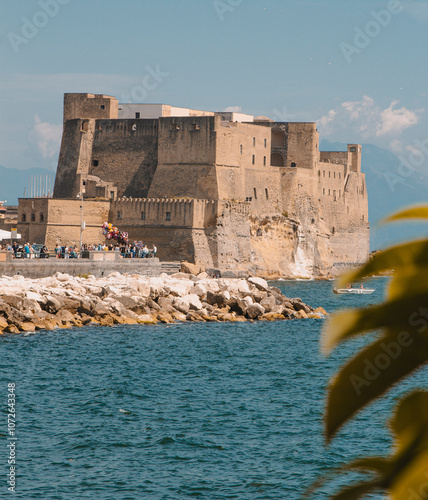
(254, 159)
(266, 193)
(329, 192)
(334, 175)
(353, 149)
(323, 173)
(254, 141)
(264, 161)
(339, 175)
(255, 193)
(112, 195)
(42, 217)
(95, 163)
(323, 190)
(119, 215)
(329, 174)
(168, 216)
(33, 217)
(143, 215)
(265, 142)
(102, 106)
(137, 115)
(340, 193)
(23, 217)
(240, 149)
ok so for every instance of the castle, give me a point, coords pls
(226, 190)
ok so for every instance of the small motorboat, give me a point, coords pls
(350, 289)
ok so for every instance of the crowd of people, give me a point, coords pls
(131, 250)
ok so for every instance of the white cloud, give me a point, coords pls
(394, 121)
(233, 109)
(368, 119)
(47, 137)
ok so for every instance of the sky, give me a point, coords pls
(357, 68)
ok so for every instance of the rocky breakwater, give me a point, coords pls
(64, 301)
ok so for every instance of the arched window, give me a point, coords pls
(276, 160)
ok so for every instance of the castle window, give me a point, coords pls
(249, 198)
(112, 195)
(276, 160)
(329, 192)
(323, 173)
(266, 193)
(323, 190)
(23, 217)
(240, 149)
(143, 215)
(196, 126)
(84, 125)
(319, 173)
(334, 175)
(265, 142)
(95, 163)
(332, 230)
(254, 141)
(334, 194)
(264, 161)
(353, 149)
(42, 217)
(168, 216)
(119, 214)
(293, 164)
(255, 193)
(33, 217)
(254, 159)
(137, 115)
(102, 106)
(339, 175)
(329, 174)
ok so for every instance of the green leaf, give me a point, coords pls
(397, 313)
(416, 212)
(412, 483)
(398, 258)
(371, 373)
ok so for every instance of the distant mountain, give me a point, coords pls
(391, 185)
(16, 184)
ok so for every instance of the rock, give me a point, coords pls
(301, 314)
(3, 323)
(189, 268)
(146, 319)
(260, 283)
(178, 316)
(11, 329)
(198, 290)
(181, 306)
(255, 310)
(244, 303)
(193, 301)
(194, 316)
(270, 316)
(243, 287)
(99, 309)
(164, 317)
(153, 305)
(53, 304)
(320, 310)
(216, 298)
(65, 316)
(268, 303)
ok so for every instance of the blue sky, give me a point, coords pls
(357, 68)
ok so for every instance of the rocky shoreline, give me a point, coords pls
(64, 301)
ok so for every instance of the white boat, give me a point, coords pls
(349, 289)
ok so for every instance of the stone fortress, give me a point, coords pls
(225, 190)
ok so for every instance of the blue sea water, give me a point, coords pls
(195, 410)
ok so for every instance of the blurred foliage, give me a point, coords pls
(400, 347)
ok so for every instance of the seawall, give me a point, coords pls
(42, 268)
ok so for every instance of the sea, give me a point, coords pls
(188, 410)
